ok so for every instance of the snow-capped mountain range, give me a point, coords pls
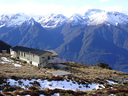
(92, 37)
(91, 17)
(54, 20)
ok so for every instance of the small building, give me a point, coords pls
(54, 54)
(33, 56)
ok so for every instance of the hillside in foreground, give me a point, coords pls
(29, 79)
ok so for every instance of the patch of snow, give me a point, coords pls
(55, 84)
(5, 60)
(108, 24)
(116, 23)
(56, 94)
(2, 25)
(29, 95)
(12, 56)
(111, 82)
(112, 95)
(16, 65)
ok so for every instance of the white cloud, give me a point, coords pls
(45, 9)
(32, 8)
(83, 9)
(37, 9)
(114, 8)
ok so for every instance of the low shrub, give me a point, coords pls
(2, 87)
(107, 86)
(25, 92)
(85, 66)
(103, 65)
(20, 82)
(17, 93)
(121, 94)
(33, 93)
(79, 93)
(50, 84)
(24, 62)
(57, 90)
(9, 88)
(15, 78)
(112, 91)
(35, 83)
(70, 91)
(1, 94)
(123, 89)
(33, 88)
(2, 80)
(8, 94)
(57, 78)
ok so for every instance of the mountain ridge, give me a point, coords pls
(86, 38)
(90, 17)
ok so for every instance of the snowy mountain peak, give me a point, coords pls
(116, 18)
(17, 19)
(90, 17)
(29, 22)
(76, 16)
(4, 17)
(91, 11)
(76, 19)
(52, 21)
(3, 20)
(97, 16)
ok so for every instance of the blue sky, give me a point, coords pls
(66, 7)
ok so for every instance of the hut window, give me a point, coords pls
(42, 57)
(24, 54)
(48, 57)
(21, 53)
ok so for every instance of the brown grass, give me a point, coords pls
(80, 73)
(83, 72)
(95, 74)
(25, 71)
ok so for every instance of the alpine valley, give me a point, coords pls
(93, 37)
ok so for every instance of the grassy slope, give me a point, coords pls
(80, 73)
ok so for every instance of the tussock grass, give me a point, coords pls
(25, 71)
(80, 72)
(94, 73)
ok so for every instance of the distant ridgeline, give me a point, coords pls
(4, 46)
(93, 37)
